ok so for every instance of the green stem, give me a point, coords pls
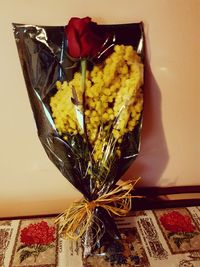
(83, 85)
(36, 252)
(83, 73)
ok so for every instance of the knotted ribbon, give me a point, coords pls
(74, 221)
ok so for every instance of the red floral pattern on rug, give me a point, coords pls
(36, 238)
(175, 222)
(180, 227)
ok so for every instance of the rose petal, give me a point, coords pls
(83, 40)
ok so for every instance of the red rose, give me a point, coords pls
(38, 233)
(82, 37)
(176, 222)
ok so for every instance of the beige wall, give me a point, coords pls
(29, 182)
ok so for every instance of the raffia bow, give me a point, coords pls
(74, 221)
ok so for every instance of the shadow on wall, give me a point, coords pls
(153, 156)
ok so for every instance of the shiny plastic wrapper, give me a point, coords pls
(91, 132)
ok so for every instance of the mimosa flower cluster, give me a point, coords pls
(111, 102)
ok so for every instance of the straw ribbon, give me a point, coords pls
(74, 221)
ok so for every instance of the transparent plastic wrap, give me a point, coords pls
(85, 90)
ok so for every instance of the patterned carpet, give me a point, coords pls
(159, 238)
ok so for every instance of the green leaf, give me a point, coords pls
(42, 248)
(21, 247)
(170, 234)
(186, 234)
(24, 255)
(178, 242)
(191, 235)
(51, 246)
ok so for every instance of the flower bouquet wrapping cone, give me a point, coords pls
(84, 83)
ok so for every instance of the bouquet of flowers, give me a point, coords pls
(84, 83)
